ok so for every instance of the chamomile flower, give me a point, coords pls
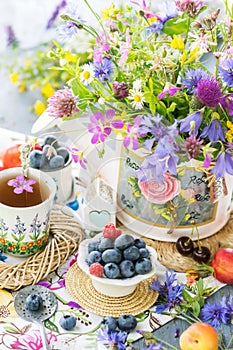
(137, 98)
(87, 74)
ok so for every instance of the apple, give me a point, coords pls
(223, 265)
(199, 336)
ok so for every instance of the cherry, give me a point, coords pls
(201, 254)
(184, 245)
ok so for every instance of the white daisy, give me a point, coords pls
(137, 98)
(137, 84)
(87, 75)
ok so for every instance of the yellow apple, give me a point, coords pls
(199, 336)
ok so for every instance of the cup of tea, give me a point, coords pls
(25, 217)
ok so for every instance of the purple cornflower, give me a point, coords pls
(62, 104)
(192, 7)
(226, 71)
(113, 338)
(152, 125)
(191, 123)
(171, 294)
(55, 13)
(78, 156)
(11, 39)
(192, 77)
(104, 69)
(214, 131)
(101, 125)
(132, 134)
(224, 163)
(209, 92)
(158, 163)
(20, 184)
(192, 146)
(121, 90)
(215, 314)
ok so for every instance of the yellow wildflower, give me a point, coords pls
(14, 77)
(187, 58)
(177, 42)
(7, 310)
(39, 107)
(110, 12)
(47, 90)
(22, 87)
(69, 57)
(229, 133)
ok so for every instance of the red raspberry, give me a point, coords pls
(110, 231)
(96, 269)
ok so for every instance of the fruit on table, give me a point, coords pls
(223, 265)
(11, 157)
(184, 245)
(124, 241)
(127, 268)
(199, 336)
(127, 323)
(201, 254)
(34, 302)
(111, 323)
(96, 269)
(68, 322)
(111, 270)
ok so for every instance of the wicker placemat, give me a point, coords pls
(172, 259)
(80, 288)
(66, 234)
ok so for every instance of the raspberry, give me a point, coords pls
(96, 269)
(110, 231)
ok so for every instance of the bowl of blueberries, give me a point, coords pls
(115, 261)
(53, 157)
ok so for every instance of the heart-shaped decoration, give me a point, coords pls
(99, 218)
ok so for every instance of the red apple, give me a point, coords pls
(199, 336)
(223, 265)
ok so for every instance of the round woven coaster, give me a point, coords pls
(80, 288)
(172, 259)
(66, 234)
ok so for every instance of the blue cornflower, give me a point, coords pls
(214, 131)
(215, 314)
(224, 163)
(191, 123)
(171, 294)
(166, 10)
(104, 69)
(226, 71)
(154, 347)
(193, 76)
(228, 304)
(70, 28)
(113, 338)
(156, 27)
(2, 257)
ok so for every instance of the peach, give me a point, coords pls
(199, 336)
(223, 265)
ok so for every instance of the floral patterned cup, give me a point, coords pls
(24, 230)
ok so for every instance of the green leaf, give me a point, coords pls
(172, 107)
(176, 26)
(200, 286)
(15, 237)
(51, 326)
(196, 308)
(12, 329)
(187, 297)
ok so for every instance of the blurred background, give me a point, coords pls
(22, 72)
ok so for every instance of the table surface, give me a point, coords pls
(15, 332)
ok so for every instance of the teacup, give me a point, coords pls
(24, 218)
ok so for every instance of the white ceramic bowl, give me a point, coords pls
(108, 286)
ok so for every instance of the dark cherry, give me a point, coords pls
(184, 245)
(201, 254)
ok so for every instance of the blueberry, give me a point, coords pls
(62, 151)
(112, 255)
(144, 253)
(68, 322)
(127, 323)
(143, 265)
(56, 162)
(105, 243)
(131, 253)
(93, 246)
(46, 156)
(94, 256)
(127, 268)
(51, 140)
(111, 323)
(35, 158)
(139, 243)
(124, 241)
(111, 270)
(33, 302)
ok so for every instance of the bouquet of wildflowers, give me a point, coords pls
(160, 78)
